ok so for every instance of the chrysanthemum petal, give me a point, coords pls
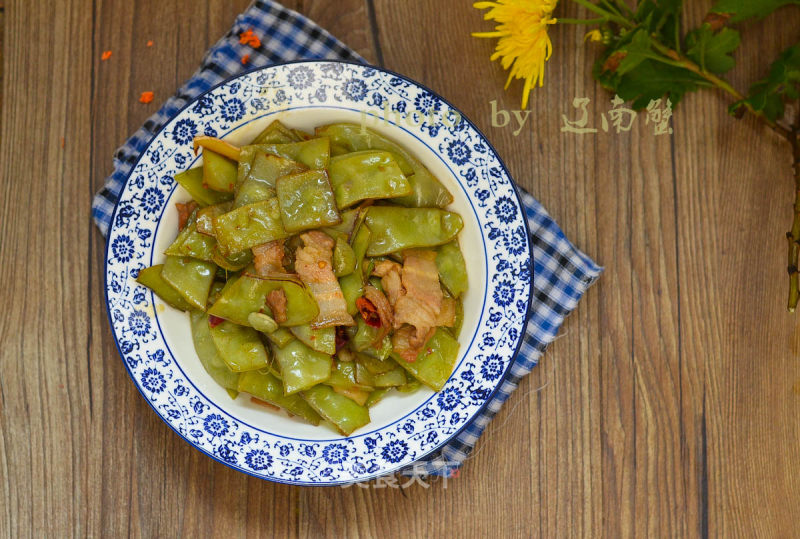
(523, 45)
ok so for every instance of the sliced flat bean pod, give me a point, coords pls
(205, 217)
(219, 172)
(217, 146)
(276, 133)
(427, 189)
(366, 175)
(231, 263)
(359, 396)
(260, 183)
(306, 201)
(322, 340)
(151, 278)
(190, 277)
(374, 365)
(393, 378)
(248, 295)
(452, 268)
(435, 363)
(216, 289)
(314, 153)
(239, 347)
(268, 388)
(248, 226)
(280, 337)
(344, 258)
(347, 225)
(352, 288)
(193, 244)
(396, 229)
(192, 181)
(343, 375)
(376, 396)
(345, 414)
(301, 367)
(411, 386)
(207, 352)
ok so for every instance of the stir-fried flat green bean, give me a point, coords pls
(367, 175)
(301, 367)
(241, 269)
(192, 181)
(306, 201)
(239, 347)
(427, 190)
(396, 229)
(268, 388)
(207, 352)
(151, 278)
(248, 226)
(190, 277)
(219, 173)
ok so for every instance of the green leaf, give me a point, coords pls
(660, 17)
(652, 80)
(782, 82)
(637, 51)
(712, 52)
(746, 9)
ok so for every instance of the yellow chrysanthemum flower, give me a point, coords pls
(523, 45)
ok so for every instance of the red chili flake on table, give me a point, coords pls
(105, 56)
(150, 43)
(245, 59)
(146, 97)
(214, 321)
(249, 38)
(368, 312)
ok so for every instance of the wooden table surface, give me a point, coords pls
(670, 405)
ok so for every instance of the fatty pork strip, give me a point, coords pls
(422, 301)
(389, 272)
(268, 258)
(313, 264)
(413, 290)
(408, 343)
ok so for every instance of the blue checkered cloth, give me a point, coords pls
(562, 273)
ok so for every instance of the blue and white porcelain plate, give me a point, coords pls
(154, 340)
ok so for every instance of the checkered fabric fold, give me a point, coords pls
(562, 273)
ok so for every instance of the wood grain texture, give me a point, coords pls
(670, 405)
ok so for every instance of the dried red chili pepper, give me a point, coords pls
(341, 337)
(368, 312)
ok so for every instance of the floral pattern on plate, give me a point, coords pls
(480, 369)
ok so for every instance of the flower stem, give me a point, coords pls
(720, 83)
(565, 20)
(608, 15)
(624, 8)
(793, 236)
